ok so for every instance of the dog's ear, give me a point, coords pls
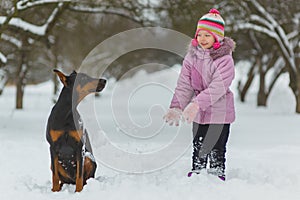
(63, 78)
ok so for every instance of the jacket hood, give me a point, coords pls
(226, 48)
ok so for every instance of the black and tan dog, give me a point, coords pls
(69, 143)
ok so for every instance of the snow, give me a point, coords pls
(24, 4)
(18, 22)
(3, 58)
(26, 26)
(13, 40)
(143, 158)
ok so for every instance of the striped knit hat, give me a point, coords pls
(213, 23)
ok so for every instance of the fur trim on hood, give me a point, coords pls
(226, 48)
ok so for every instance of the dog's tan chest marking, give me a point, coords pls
(55, 134)
(77, 135)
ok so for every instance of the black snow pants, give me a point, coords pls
(210, 143)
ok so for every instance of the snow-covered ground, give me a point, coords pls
(139, 157)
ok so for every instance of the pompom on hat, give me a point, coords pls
(213, 23)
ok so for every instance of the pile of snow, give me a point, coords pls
(262, 159)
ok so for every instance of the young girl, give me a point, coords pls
(203, 96)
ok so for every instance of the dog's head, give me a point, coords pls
(81, 83)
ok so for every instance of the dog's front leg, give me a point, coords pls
(54, 165)
(79, 170)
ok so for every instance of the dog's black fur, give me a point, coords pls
(69, 142)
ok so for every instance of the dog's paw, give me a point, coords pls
(79, 189)
(56, 188)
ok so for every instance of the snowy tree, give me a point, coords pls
(15, 28)
(263, 62)
(34, 21)
(279, 22)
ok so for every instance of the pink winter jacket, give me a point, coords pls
(205, 78)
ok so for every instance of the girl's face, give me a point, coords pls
(205, 39)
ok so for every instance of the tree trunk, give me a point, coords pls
(20, 93)
(55, 84)
(261, 96)
(297, 94)
(244, 89)
(20, 82)
(298, 104)
(55, 87)
(54, 76)
(3, 80)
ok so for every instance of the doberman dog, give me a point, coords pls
(72, 161)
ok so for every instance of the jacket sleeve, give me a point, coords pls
(218, 87)
(183, 91)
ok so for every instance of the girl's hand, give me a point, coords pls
(173, 116)
(190, 112)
